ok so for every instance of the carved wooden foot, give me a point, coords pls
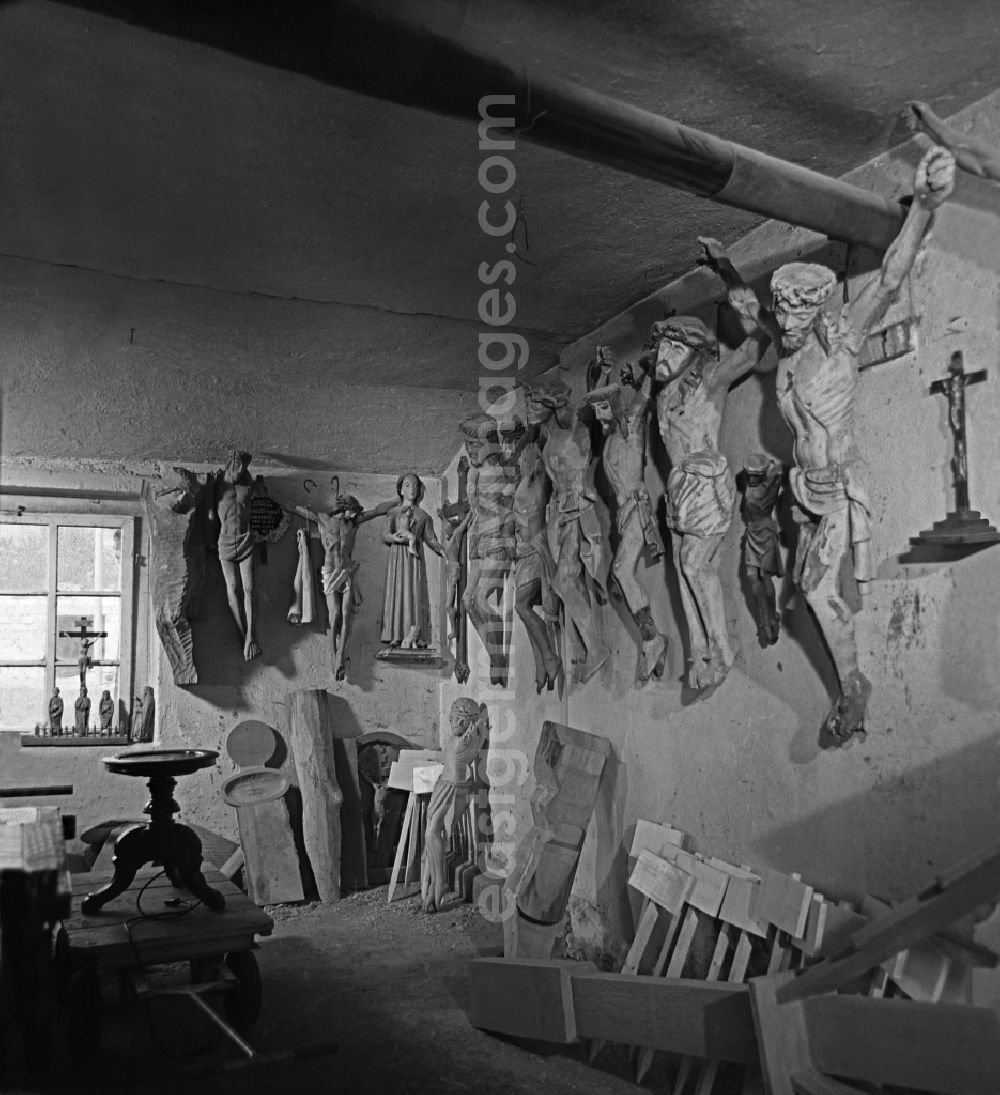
(847, 716)
(653, 658)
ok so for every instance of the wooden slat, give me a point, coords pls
(812, 1083)
(696, 1017)
(526, 998)
(928, 1047)
(661, 881)
(955, 894)
(782, 1038)
(782, 900)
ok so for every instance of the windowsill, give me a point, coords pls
(31, 741)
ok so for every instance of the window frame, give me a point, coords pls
(54, 519)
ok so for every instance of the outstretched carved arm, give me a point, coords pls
(971, 154)
(379, 511)
(757, 321)
(933, 182)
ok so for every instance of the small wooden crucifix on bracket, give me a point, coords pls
(963, 530)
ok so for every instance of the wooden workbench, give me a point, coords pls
(102, 939)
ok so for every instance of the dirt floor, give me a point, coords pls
(386, 983)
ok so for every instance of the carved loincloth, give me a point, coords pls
(576, 513)
(340, 579)
(761, 546)
(700, 495)
(823, 493)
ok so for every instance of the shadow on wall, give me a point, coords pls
(970, 633)
(906, 826)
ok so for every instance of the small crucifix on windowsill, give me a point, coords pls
(963, 530)
(87, 639)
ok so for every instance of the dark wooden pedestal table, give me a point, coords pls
(161, 840)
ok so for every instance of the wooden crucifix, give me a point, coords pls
(87, 639)
(952, 387)
(964, 529)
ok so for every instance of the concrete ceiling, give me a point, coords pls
(303, 238)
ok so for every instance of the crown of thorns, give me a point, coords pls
(802, 284)
(550, 393)
(688, 330)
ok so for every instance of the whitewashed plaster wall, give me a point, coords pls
(376, 695)
(742, 769)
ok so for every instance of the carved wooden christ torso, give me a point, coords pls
(689, 413)
(815, 390)
(566, 455)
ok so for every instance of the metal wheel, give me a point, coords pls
(242, 1002)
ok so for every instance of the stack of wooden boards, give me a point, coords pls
(798, 989)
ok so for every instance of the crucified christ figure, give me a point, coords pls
(694, 378)
(621, 409)
(816, 383)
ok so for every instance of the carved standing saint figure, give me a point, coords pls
(470, 727)
(338, 530)
(621, 411)
(55, 713)
(234, 492)
(106, 709)
(761, 554)
(82, 709)
(816, 382)
(695, 378)
(406, 608)
(534, 569)
(575, 537)
(491, 447)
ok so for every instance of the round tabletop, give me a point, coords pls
(161, 762)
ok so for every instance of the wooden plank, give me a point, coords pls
(782, 1038)
(404, 837)
(425, 776)
(525, 999)
(270, 856)
(680, 1016)
(740, 898)
(661, 881)
(567, 767)
(714, 972)
(958, 891)
(654, 836)
(354, 852)
(949, 1048)
(710, 883)
(674, 970)
(736, 976)
(401, 772)
(783, 901)
(311, 736)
